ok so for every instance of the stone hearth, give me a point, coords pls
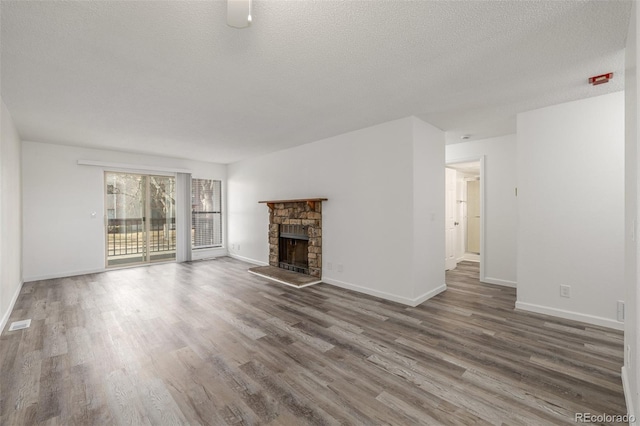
(305, 216)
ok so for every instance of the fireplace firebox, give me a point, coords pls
(293, 248)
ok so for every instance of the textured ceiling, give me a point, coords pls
(171, 78)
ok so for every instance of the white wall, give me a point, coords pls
(630, 371)
(500, 203)
(428, 209)
(60, 236)
(571, 209)
(368, 220)
(10, 216)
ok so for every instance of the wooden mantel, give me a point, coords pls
(311, 202)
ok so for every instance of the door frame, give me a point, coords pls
(481, 159)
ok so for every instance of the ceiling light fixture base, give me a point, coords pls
(239, 13)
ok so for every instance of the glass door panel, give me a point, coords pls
(140, 211)
(162, 224)
(125, 204)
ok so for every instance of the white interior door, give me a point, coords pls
(450, 218)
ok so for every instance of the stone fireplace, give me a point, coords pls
(295, 235)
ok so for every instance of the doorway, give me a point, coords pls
(464, 223)
(140, 218)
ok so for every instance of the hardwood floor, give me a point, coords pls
(209, 343)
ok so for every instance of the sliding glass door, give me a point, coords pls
(140, 211)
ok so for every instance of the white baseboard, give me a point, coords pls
(96, 271)
(383, 294)
(14, 299)
(428, 295)
(471, 257)
(627, 395)
(65, 274)
(248, 260)
(201, 254)
(498, 281)
(99, 270)
(205, 254)
(576, 316)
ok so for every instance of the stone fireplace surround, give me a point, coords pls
(305, 212)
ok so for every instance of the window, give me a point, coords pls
(206, 213)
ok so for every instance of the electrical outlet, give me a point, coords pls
(340, 267)
(620, 311)
(565, 291)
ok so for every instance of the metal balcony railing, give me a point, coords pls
(126, 236)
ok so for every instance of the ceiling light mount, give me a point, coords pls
(239, 13)
(600, 79)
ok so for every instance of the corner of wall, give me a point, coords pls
(12, 303)
(628, 394)
(428, 180)
(10, 214)
(630, 371)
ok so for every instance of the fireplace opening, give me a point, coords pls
(294, 248)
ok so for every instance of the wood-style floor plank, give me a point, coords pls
(207, 343)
